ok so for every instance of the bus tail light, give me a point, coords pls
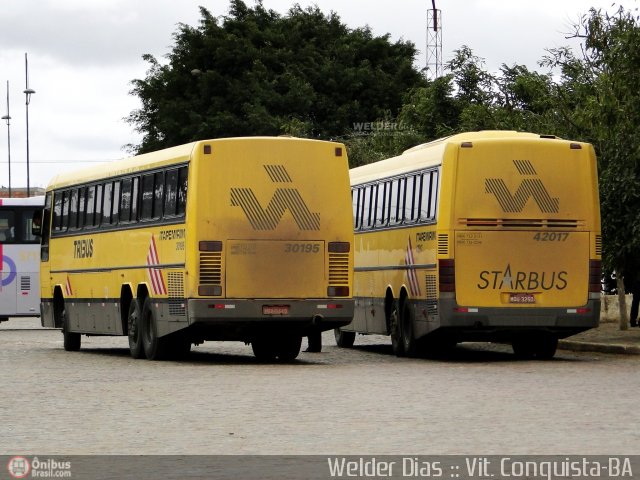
(210, 246)
(339, 247)
(209, 290)
(447, 275)
(595, 276)
(338, 291)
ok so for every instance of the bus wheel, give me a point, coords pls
(264, 349)
(71, 340)
(288, 348)
(344, 339)
(396, 332)
(135, 335)
(541, 346)
(546, 347)
(155, 348)
(523, 348)
(409, 342)
(314, 340)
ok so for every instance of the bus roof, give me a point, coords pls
(430, 154)
(147, 161)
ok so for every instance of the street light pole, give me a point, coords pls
(7, 118)
(27, 93)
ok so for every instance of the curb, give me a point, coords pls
(599, 347)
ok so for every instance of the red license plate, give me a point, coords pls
(275, 309)
(522, 298)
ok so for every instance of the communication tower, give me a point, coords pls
(434, 42)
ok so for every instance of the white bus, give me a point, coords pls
(20, 258)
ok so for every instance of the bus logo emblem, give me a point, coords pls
(283, 199)
(531, 186)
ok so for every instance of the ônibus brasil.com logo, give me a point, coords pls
(21, 467)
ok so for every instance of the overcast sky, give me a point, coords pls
(83, 55)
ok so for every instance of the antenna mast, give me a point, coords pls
(434, 42)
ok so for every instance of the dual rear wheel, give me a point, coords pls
(143, 335)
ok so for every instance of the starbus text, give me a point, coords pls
(522, 281)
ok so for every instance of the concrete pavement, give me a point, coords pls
(607, 338)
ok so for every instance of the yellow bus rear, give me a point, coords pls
(233, 239)
(513, 253)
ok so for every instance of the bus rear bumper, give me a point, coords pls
(492, 323)
(313, 314)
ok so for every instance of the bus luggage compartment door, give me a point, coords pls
(524, 269)
(275, 269)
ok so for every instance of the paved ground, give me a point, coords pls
(481, 400)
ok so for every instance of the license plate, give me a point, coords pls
(275, 310)
(522, 298)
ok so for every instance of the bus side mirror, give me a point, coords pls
(36, 224)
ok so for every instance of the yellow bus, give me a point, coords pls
(482, 236)
(245, 239)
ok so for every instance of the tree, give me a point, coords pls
(599, 95)
(256, 72)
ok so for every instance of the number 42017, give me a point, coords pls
(551, 236)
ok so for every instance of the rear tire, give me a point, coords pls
(396, 332)
(136, 349)
(155, 348)
(71, 340)
(344, 339)
(264, 349)
(409, 342)
(540, 346)
(314, 342)
(288, 348)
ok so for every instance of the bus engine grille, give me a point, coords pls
(210, 268)
(338, 268)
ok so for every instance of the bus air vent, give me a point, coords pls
(432, 296)
(210, 268)
(25, 284)
(443, 244)
(177, 305)
(599, 245)
(521, 223)
(338, 268)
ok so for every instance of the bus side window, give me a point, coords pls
(409, 198)
(57, 211)
(134, 198)
(393, 201)
(355, 194)
(106, 205)
(125, 201)
(91, 206)
(171, 193)
(183, 175)
(158, 194)
(429, 195)
(82, 204)
(380, 204)
(98, 212)
(147, 197)
(73, 210)
(66, 196)
(7, 225)
(115, 203)
(366, 207)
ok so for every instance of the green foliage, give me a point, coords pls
(256, 72)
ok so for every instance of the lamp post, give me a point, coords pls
(7, 118)
(27, 93)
